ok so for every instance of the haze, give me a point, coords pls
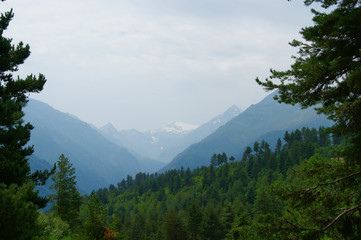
(140, 64)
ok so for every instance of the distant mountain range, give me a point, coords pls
(165, 143)
(105, 156)
(98, 161)
(266, 120)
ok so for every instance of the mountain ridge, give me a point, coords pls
(98, 161)
(257, 120)
(165, 143)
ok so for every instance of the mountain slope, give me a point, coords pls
(165, 143)
(258, 120)
(97, 160)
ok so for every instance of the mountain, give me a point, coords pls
(98, 161)
(175, 128)
(165, 143)
(268, 119)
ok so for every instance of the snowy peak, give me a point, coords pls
(176, 128)
(109, 129)
(232, 111)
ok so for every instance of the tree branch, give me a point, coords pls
(339, 216)
(332, 182)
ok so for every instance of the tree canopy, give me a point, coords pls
(19, 200)
(324, 198)
(327, 69)
(66, 199)
(14, 132)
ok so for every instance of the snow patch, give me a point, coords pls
(154, 140)
(215, 122)
(177, 128)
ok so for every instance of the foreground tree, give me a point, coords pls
(93, 218)
(327, 71)
(66, 199)
(19, 201)
(14, 133)
(17, 213)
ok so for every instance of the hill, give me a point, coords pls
(268, 119)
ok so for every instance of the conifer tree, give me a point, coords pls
(278, 146)
(66, 199)
(214, 160)
(194, 220)
(212, 227)
(93, 218)
(174, 228)
(19, 201)
(14, 132)
(327, 73)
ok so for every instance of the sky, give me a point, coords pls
(142, 63)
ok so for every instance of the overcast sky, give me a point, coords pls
(142, 63)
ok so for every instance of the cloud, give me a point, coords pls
(165, 58)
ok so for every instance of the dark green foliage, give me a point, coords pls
(323, 199)
(246, 154)
(93, 218)
(327, 69)
(19, 201)
(17, 212)
(214, 202)
(66, 199)
(14, 133)
(174, 227)
(194, 219)
(212, 227)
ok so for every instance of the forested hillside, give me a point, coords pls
(226, 200)
(265, 117)
(306, 186)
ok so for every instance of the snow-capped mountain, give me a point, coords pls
(176, 128)
(267, 120)
(166, 142)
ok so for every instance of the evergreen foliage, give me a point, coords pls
(19, 201)
(14, 133)
(232, 200)
(93, 218)
(17, 212)
(324, 198)
(307, 188)
(66, 199)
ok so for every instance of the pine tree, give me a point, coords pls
(278, 146)
(14, 133)
(326, 73)
(66, 199)
(214, 160)
(17, 219)
(174, 227)
(93, 218)
(212, 227)
(17, 213)
(194, 218)
(246, 154)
